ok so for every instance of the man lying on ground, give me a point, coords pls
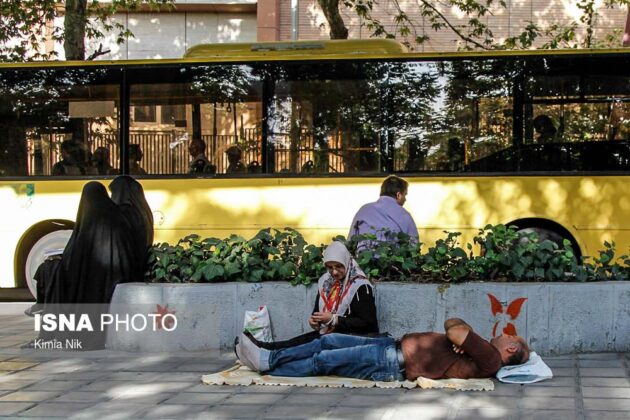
(459, 353)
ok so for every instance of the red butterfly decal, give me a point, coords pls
(160, 319)
(513, 310)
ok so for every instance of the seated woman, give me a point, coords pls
(128, 194)
(345, 302)
(99, 255)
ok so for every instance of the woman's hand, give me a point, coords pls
(313, 323)
(322, 317)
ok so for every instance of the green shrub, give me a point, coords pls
(498, 253)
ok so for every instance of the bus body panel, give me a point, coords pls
(592, 209)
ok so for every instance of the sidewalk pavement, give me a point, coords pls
(112, 384)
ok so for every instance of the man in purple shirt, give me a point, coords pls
(386, 216)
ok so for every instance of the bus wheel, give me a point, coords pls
(554, 236)
(40, 240)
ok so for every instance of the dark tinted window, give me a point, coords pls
(577, 114)
(52, 121)
(216, 107)
(326, 117)
(445, 116)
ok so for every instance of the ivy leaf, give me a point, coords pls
(212, 271)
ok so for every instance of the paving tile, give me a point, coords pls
(563, 363)
(421, 396)
(606, 382)
(608, 404)
(598, 356)
(232, 412)
(82, 397)
(550, 403)
(55, 409)
(84, 376)
(549, 415)
(257, 398)
(555, 381)
(362, 400)
(206, 368)
(14, 366)
(512, 390)
(28, 396)
(121, 387)
(173, 411)
(603, 372)
(280, 411)
(563, 372)
(33, 374)
(181, 377)
(487, 413)
(590, 363)
(368, 413)
(111, 410)
(142, 398)
(475, 400)
(224, 389)
(384, 391)
(8, 384)
(10, 408)
(133, 376)
(556, 391)
(606, 415)
(323, 400)
(156, 368)
(55, 385)
(197, 398)
(602, 392)
(420, 411)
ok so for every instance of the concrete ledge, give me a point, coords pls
(555, 318)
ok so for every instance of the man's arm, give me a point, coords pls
(456, 330)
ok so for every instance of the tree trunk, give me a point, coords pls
(74, 26)
(338, 28)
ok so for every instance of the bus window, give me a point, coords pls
(326, 117)
(578, 121)
(59, 122)
(218, 108)
(462, 116)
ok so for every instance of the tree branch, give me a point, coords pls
(98, 53)
(452, 27)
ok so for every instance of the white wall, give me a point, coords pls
(168, 35)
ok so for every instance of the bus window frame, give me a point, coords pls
(519, 116)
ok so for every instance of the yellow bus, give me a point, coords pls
(302, 134)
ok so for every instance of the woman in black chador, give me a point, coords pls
(128, 194)
(108, 246)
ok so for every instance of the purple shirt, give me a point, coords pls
(385, 213)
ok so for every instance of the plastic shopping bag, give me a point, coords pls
(258, 324)
(534, 370)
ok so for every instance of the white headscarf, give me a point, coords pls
(354, 278)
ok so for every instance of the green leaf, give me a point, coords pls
(213, 271)
(256, 275)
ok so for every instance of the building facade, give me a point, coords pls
(284, 20)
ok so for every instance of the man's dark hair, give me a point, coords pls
(135, 152)
(393, 185)
(520, 356)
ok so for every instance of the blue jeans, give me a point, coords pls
(341, 355)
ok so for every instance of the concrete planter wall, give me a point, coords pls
(555, 318)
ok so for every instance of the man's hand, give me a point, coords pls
(456, 331)
(457, 349)
(322, 317)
